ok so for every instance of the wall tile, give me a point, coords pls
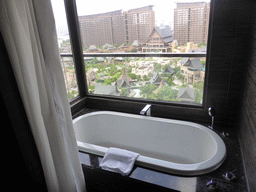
(247, 123)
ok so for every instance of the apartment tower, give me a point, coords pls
(117, 27)
(139, 23)
(191, 22)
(99, 29)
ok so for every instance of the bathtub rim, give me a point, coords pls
(195, 169)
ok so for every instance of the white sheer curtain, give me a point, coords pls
(29, 33)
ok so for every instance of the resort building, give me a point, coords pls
(192, 70)
(117, 27)
(160, 40)
(191, 22)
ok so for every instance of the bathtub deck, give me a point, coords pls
(100, 180)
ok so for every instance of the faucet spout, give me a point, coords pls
(211, 112)
(146, 110)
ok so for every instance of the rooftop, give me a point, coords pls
(194, 64)
(125, 76)
(136, 43)
(155, 79)
(186, 94)
(106, 89)
(165, 32)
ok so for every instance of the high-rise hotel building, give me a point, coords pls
(117, 27)
(191, 22)
(139, 23)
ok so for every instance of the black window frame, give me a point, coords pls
(175, 110)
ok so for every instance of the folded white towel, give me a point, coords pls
(119, 160)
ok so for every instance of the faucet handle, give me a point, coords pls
(211, 111)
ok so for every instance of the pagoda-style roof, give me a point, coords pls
(106, 46)
(93, 48)
(106, 90)
(122, 83)
(185, 60)
(136, 43)
(155, 79)
(165, 33)
(125, 76)
(111, 47)
(124, 46)
(186, 95)
(194, 64)
(168, 70)
(176, 42)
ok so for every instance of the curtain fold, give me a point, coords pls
(28, 29)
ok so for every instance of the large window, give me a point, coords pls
(140, 49)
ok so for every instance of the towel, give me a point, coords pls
(118, 160)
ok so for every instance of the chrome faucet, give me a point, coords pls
(146, 110)
(211, 112)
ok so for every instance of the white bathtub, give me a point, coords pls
(172, 146)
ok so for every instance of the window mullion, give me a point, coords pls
(76, 45)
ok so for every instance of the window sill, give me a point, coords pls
(77, 104)
(179, 111)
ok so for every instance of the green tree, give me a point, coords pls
(170, 80)
(176, 69)
(145, 77)
(113, 79)
(113, 70)
(129, 70)
(116, 76)
(72, 94)
(147, 90)
(180, 76)
(199, 85)
(107, 82)
(184, 85)
(91, 88)
(178, 59)
(132, 75)
(157, 67)
(203, 63)
(165, 66)
(124, 92)
(94, 61)
(166, 93)
(198, 95)
(65, 43)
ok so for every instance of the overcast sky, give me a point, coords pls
(163, 8)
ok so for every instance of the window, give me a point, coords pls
(65, 48)
(118, 62)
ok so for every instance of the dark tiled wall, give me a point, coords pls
(231, 29)
(232, 73)
(247, 125)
